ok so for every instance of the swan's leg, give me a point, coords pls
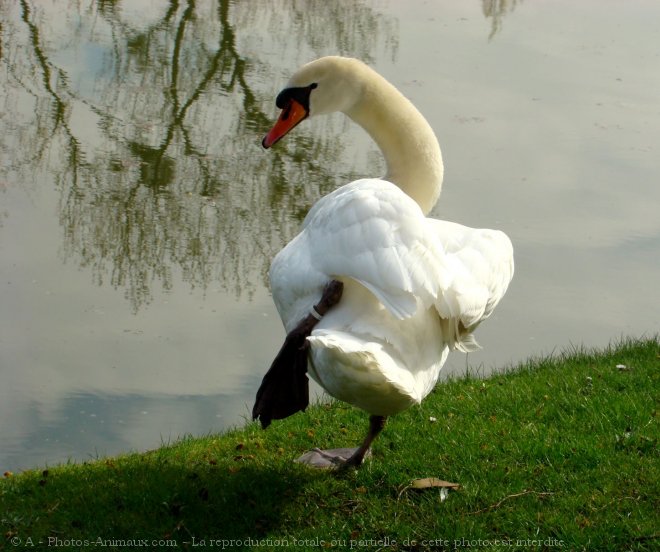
(376, 425)
(344, 458)
(331, 296)
(285, 387)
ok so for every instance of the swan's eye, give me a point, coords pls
(298, 93)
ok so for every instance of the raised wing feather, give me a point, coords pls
(481, 268)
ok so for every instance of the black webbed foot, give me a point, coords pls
(285, 387)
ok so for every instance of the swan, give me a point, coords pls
(372, 293)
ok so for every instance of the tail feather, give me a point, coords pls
(458, 337)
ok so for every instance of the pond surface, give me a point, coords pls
(139, 213)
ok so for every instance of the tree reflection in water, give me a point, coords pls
(148, 118)
(496, 10)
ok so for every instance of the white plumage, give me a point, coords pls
(414, 288)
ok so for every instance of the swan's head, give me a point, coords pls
(323, 86)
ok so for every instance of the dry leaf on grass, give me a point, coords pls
(432, 483)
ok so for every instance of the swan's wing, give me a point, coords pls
(371, 231)
(481, 263)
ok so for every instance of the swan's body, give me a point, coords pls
(413, 287)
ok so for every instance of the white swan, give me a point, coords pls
(398, 290)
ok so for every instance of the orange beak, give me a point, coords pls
(293, 113)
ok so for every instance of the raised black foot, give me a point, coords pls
(285, 387)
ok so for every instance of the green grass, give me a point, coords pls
(558, 454)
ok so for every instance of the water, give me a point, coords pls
(138, 212)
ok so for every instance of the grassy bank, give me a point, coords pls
(560, 454)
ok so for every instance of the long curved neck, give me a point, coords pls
(410, 148)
